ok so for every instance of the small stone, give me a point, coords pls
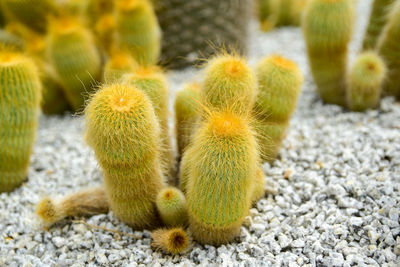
(59, 241)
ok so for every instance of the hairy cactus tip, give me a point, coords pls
(123, 130)
(229, 83)
(222, 163)
(20, 97)
(173, 241)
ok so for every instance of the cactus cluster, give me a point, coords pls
(327, 28)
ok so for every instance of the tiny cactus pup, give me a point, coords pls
(365, 82)
(171, 205)
(123, 130)
(19, 106)
(173, 241)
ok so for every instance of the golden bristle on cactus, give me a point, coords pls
(72, 52)
(377, 21)
(173, 241)
(171, 205)
(222, 164)
(152, 81)
(229, 83)
(187, 109)
(20, 95)
(365, 81)
(327, 28)
(119, 64)
(86, 202)
(122, 129)
(388, 49)
(138, 31)
(279, 81)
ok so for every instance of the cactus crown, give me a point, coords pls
(130, 5)
(172, 241)
(225, 124)
(281, 62)
(368, 65)
(105, 23)
(121, 60)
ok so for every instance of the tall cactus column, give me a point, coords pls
(193, 29)
(19, 105)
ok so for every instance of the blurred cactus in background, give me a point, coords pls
(187, 109)
(73, 54)
(32, 13)
(19, 105)
(389, 50)
(377, 21)
(193, 29)
(119, 63)
(138, 31)
(327, 28)
(365, 82)
(276, 13)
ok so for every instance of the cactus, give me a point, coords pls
(259, 186)
(137, 29)
(327, 27)
(377, 21)
(123, 130)
(86, 202)
(186, 114)
(192, 28)
(19, 105)
(229, 83)
(32, 13)
(222, 164)
(171, 205)
(365, 82)
(72, 52)
(152, 81)
(389, 50)
(280, 82)
(173, 241)
(119, 64)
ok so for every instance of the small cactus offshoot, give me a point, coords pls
(86, 202)
(173, 241)
(171, 205)
(365, 82)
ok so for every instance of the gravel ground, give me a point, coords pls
(335, 188)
